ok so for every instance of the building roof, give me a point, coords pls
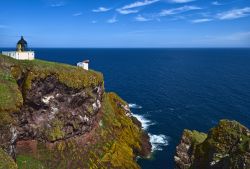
(22, 41)
(85, 61)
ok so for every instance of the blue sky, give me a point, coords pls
(126, 23)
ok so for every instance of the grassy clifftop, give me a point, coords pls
(100, 130)
(16, 77)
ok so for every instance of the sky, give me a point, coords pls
(125, 23)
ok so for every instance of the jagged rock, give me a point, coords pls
(226, 147)
(51, 106)
(61, 117)
(184, 151)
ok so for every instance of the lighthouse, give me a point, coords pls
(21, 52)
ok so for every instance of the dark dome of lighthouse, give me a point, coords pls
(22, 41)
(22, 44)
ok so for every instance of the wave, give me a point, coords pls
(144, 122)
(134, 106)
(158, 141)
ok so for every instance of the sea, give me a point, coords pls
(170, 90)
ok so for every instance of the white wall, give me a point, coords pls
(86, 66)
(83, 65)
(30, 55)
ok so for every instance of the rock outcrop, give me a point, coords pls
(226, 146)
(59, 116)
(184, 151)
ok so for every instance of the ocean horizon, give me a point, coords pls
(170, 90)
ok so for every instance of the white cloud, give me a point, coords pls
(174, 11)
(140, 3)
(201, 20)
(128, 9)
(101, 9)
(234, 14)
(112, 20)
(77, 14)
(58, 4)
(180, 1)
(216, 3)
(141, 18)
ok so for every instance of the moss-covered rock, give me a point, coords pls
(62, 118)
(6, 162)
(115, 142)
(185, 150)
(227, 146)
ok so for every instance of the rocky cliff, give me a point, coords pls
(59, 116)
(226, 146)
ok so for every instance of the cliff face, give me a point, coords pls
(59, 116)
(185, 150)
(226, 146)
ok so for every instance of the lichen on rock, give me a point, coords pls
(227, 146)
(184, 151)
(61, 117)
(6, 162)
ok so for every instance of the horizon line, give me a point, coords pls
(131, 47)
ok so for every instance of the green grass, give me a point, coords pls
(117, 138)
(11, 95)
(28, 162)
(197, 137)
(69, 75)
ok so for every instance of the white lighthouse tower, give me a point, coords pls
(21, 52)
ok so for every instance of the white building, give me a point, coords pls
(30, 55)
(84, 64)
(21, 52)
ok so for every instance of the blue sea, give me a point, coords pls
(171, 89)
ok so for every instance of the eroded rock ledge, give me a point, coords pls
(52, 111)
(226, 146)
(59, 116)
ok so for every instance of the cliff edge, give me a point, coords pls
(226, 146)
(59, 116)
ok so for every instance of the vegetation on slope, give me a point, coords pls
(71, 76)
(227, 147)
(16, 77)
(6, 162)
(114, 143)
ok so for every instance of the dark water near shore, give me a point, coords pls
(172, 89)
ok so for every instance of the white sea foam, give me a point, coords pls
(158, 141)
(134, 106)
(145, 122)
